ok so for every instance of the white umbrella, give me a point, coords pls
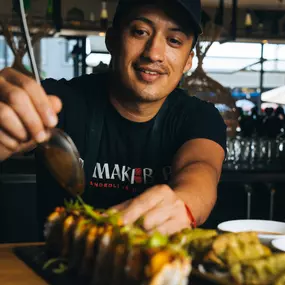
(276, 95)
(268, 105)
(246, 105)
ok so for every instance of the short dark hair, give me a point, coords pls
(124, 9)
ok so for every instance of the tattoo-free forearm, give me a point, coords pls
(196, 185)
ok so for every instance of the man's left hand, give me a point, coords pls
(161, 209)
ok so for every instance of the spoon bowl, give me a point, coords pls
(62, 158)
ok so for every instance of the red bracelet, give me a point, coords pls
(191, 217)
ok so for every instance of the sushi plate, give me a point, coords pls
(35, 258)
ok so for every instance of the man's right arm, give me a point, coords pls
(26, 113)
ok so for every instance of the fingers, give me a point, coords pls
(26, 112)
(6, 151)
(8, 142)
(121, 207)
(11, 124)
(20, 102)
(156, 216)
(142, 204)
(160, 208)
(34, 109)
(162, 213)
(27, 146)
(55, 103)
(36, 94)
(170, 227)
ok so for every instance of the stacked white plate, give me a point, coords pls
(279, 244)
(267, 230)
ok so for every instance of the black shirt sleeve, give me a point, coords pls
(57, 88)
(204, 121)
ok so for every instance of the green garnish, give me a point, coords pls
(135, 231)
(72, 205)
(52, 261)
(80, 205)
(115, 219)
(157, 240)
(178, 249)
(80, 200)
(61, 269)
(90, 212)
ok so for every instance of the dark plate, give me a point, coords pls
(35, 258)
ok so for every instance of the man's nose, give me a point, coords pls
(155, 49)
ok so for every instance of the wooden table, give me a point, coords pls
(15, 272)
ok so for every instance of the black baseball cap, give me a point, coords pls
(192, 7)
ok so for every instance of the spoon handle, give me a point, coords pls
(27, 37)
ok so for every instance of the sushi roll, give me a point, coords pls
(112, 235)
(167, 267)
(119, 262)
(102, 269)
(128, 237)
(99, 247)
(78, 246)
(157, 262)
(91, 250)
(53, 232)
(100, 250)
(69, 225)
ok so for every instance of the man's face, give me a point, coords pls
(152, 54)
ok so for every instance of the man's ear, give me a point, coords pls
(189, 62)
(111, 40)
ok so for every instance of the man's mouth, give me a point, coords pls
(149, 72)
(149, 75)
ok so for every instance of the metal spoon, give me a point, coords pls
(62, 158)
(59, 153)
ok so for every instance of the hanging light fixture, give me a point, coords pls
(104, 16)
(248, 21)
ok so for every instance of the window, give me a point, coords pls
(2, 48)
(69, 46)
(274, 51)
(230, 57)
(235, 50)
(94, 59)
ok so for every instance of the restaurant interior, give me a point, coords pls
(239, 66)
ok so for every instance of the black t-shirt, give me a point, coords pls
(131, 156)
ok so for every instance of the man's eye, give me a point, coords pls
(139, 33)
(175, 42)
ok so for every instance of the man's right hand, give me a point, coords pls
(26, 113)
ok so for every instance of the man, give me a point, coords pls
(148, 149)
